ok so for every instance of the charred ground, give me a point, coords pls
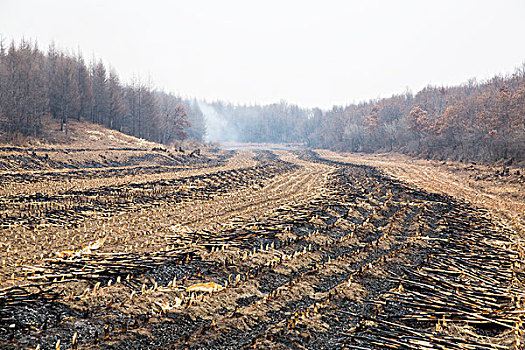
(300, 250)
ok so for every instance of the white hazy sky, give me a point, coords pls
(312, 53)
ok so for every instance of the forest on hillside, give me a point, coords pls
(34, 83)
(475, 121)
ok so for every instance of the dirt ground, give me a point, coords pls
(485, 186)
(152, 248)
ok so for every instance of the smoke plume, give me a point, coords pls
(218, 127)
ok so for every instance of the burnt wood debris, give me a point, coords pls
(309, 253)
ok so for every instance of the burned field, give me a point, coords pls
(250, 250)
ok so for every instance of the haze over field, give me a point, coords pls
(314, 54)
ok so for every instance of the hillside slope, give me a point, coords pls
(86, 145)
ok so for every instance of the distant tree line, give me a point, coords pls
(476, 121)
(275, 123)
(34, 83)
